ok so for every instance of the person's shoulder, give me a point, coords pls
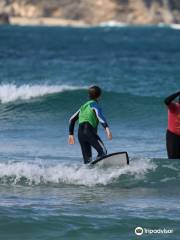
(84, 103)
(178, 106)
(173, 106)
(93, 103)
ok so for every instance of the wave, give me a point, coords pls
(12, 92)
(175, 26)
(121, 24)
(142, 172)
(113, 24)
(65, 99)
(35, 174)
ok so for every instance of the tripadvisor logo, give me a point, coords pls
(138, 231)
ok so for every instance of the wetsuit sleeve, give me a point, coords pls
(99, 114)
(72, 122)
(169, 99)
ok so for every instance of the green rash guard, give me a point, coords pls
(87, 114)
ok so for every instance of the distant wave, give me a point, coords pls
(175, 26)
(113, 24)
(121, 24)
(71, 97)
(11, 92)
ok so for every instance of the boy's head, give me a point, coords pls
(94, 92)
(179, 99)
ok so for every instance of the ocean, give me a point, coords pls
(46, 192)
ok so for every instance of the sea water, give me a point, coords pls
(46, 192)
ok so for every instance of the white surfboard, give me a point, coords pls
(119, 159)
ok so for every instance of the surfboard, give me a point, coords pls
(119, 159)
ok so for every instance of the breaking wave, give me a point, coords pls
(12, 92)
(139, 173)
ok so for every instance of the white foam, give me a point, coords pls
(11, 92)
(175, 26)
(35, 174)
(113, 24)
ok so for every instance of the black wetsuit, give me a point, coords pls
(172, 139)
(88, 137)
(87, 134)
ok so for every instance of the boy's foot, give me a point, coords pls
(100, 156)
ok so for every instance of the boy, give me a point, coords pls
(89, 116)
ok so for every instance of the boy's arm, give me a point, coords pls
(72, 122)
(170, 98)
(99, 114)
(101, 119)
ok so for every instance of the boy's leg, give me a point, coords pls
(87, 138)
(85, 146)
(103, 147)
(95, 141)
(86, 151)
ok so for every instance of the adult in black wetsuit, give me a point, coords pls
(89, 115)
(173, 130)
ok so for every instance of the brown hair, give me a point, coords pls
(94, 92)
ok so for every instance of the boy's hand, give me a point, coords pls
(108, 133)
(71, 139)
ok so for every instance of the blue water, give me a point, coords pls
(45, 190)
